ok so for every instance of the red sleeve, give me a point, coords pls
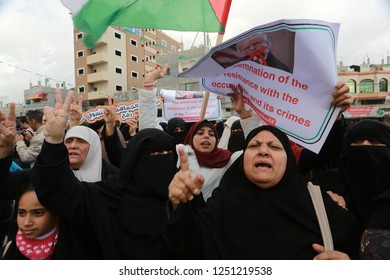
(296, 150)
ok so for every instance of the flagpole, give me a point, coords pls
(207, 93)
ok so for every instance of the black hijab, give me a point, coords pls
(243, 221)
(146, 177)
(143, 173)
(178, 135)
(237, 137)
(366, 171)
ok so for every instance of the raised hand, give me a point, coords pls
(76, 111)
(342, 97)
(56, 119)
(152, 76)
(110, 115)
(133, 124)
(238, 102)
(7, 131)
(183, 186)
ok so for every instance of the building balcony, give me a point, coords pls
(98, 77)
(103, 40)
(92, 95)
(96, 59)
(151, 49)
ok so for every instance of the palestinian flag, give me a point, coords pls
(94, 16)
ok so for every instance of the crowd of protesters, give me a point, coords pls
(150, 190)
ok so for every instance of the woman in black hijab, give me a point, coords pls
(147, 167)
(365, 168)
(363, 178)
(237, 137)
(261, 210)
(177, 128)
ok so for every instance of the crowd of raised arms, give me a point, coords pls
(177, 190)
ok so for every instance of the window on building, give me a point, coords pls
(118, 88)
(134, 74)
(117, 35)
(173, 48)
(118, 53)
(118, 70)
(81, 89)
(133, 30)
(383, 85)
(192, 86)
(366, 85)
(80, 53)
(133, 42)
(95, 89)
(164, 43)
(79, 36)
(80, 71)
(352, 85)
(134, 58)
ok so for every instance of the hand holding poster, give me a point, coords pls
(288, 72)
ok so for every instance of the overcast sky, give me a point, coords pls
(36, 35)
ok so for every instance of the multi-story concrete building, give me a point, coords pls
(369, 84)
(119, 60)
(36, 97)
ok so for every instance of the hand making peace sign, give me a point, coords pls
(7, 131)
(56, 119)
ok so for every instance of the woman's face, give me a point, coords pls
(77, 150)
(204, 140)
(265, 160)
(33, 219)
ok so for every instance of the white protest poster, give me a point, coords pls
(188, 104)
(124, 111)
(288, 72)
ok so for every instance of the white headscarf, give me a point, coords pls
(91, 169)
(224, 141)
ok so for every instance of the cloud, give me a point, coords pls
(38, 39)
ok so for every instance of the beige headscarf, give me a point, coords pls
(91, 170)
